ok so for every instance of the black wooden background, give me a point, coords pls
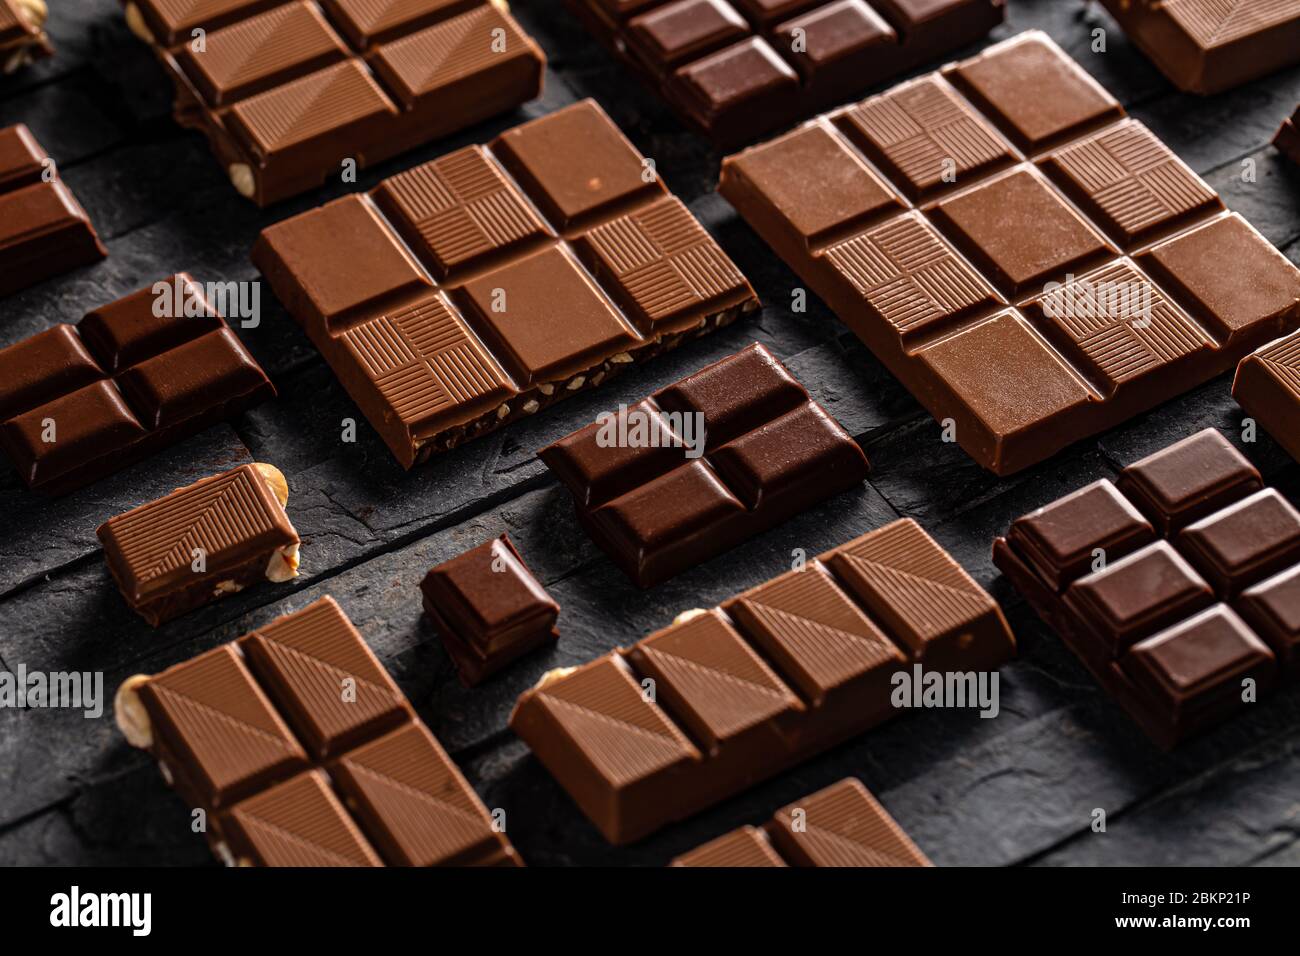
(1017, 789)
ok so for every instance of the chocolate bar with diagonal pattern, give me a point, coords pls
(483, 286)
(1178, 586)
(301, 751)
(291, 92)
(727, 697)
(725, 454)
(23, 39)
(842, 825)
(202, 542)
(1032, 264)
(1208, 46)
(1287, 139)
(1267, 386)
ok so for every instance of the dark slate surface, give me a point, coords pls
(1017, 789)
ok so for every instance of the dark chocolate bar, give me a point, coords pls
(301, 751)
(43, 229)
(80, 402)
(286, 92)
(23, 39)
(1208, 46)
(1288, 137)
(727, 697)
(481, 287)
(488, 609)
(1173, 586)
(1034, 266)
(202, 542)
(736, 70)
(756, 451)
(842, 825)
(1267, 386)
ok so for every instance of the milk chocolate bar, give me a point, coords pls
(23, 39)
(1288, 137)
(301, 751)
(286, 92)
(202, 542)
(80, 402)
(1178, 587)
(699, 466)
(727, 697)
(1208, 46)
(842, 825)
(43, 229)
(736, 70)
(1033, 265)
(488, 609)
(481, 287)
(1267, 386)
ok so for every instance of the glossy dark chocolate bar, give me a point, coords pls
(1208, 46)
(23, 39)
(301, 751)
(481, 287)
(488, 609)
(1288, 137)
(736, 69)
(727, 697)
(1174, 586)
(43, 229)
(1034, 266)
(202, 542)
(842, 825)
(1267, 386)
(286, 92)
(80, 402)
(723, 455)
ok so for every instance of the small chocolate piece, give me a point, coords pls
(488, 609)
(451, 307)
(1005, 205)
(1267, 386)
(44, 231)
(23, 39)
(81, 402)
(287, 90)
(202, 542)
(762, 451)
(1288, 137)
(747, 847)
(1207, 46)
(727, 697)
(736, 69)
(222, 727)
(1170, 629)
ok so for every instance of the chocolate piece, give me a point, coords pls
(748, 847)
(44, 231)
(222, 727)
(736, 70)
(23, 39)
(1207, 46)
(488, 609)
(287, 90)
(462, 296)
(202, 542)
(762, 451)
(1267, 386)
(1006, 206)
(727, 697)
(1166, 627)
(80, 402)
(1288, 137)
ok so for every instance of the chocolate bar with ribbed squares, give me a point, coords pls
(1033, 265)
(727, 697)
(842, 825)
(736, 69)
(23, 39)
(301, 751)
(1178, 586)
(80, 402)
(479, 288)
(287, 93)
(43, 229)
(1267, 386)
(725, 454)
